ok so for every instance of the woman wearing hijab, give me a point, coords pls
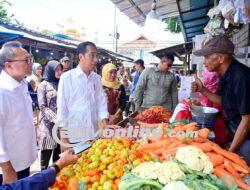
(114, 91)
(36, 76)
(33, 82)
(47, 95)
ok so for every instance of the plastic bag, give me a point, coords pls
(228, 11)
(181, 111)
(214, 27)
(243, 10)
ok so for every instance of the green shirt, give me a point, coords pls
(156, 88)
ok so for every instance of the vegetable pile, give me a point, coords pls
(224, 163)
(102, 166)
(155, 114)
(163, 162)
(186, 179)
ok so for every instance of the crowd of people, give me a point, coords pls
(61, 92)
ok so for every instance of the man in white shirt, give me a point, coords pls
(18, 148)
(80, 94)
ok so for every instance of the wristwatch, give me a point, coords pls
(55, 168)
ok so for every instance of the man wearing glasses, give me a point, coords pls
(17, 133)
(80, 96)
(157, 86)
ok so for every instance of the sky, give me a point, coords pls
(95, 16)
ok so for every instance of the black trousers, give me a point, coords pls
(20, 175)
(46, 155)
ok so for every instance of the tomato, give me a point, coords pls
(136, 162)
(61, 184)
(118, 172)
(103, 178)
(107, 185)
(110, 174)
(95, 178)
(93, 164)
(102, 167)
(73, 184)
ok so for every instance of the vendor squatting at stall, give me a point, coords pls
(233, 93)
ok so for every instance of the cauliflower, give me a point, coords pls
(176, 185)
(165, 172)
(194, 158)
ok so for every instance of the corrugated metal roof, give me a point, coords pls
(195, 18)
(181, 49)
(192, 13)
(137, 10)
(22, 32)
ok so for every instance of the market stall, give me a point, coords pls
(156, 154)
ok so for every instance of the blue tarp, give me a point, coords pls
(195, 19)
(5, 36)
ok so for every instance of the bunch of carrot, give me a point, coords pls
(224, 162)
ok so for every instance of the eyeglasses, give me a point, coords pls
(27, 61)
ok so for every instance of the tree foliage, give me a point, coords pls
(47, 32)
(4, 16)
(173, 25)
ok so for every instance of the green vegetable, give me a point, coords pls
(200, 181)
(157, 160)
(133, 182)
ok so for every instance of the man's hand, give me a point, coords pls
(67, 158)
(9, 174)
(197, 86)
(103, 123)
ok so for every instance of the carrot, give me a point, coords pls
(166, 156)
(174, 144)
(216, 159)
(190, 124)
(231, 156)
(201, 140)
(171, 151)
(220, 172)
(157, 151)
(221, 166)
(153, 155)
(239, 168)
(205, 147)
(242, 185)
(204, 133)
(192, 128)
(155, 145)
(231, 170)
(184, 127)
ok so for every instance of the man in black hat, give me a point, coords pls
(66, 63)
(233, 93)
